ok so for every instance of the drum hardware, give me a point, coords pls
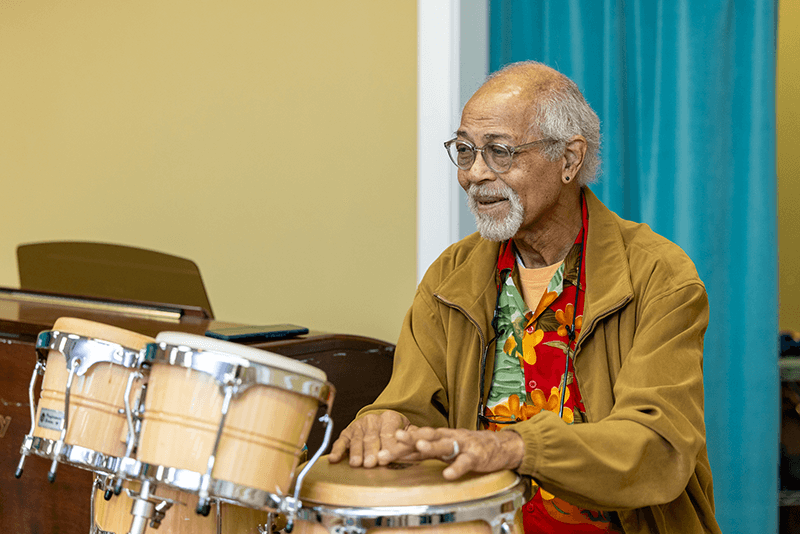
(37, 371)
(276, 522)
(170, 511)
(233, 375)
(102, 483)
(498, 511)
(134, 420)
(230, 389)
(72, 365)
(147, 509)
(80, 353)
(106, 484)
(290, 506)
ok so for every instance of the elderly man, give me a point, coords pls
(575, 333)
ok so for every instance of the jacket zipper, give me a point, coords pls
(587, 332)
(484, 351)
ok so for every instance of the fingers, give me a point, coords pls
(379, 439)
(338, 449)
(393, 449)
(359, 428)
(463, 464)
(429, 442)
(371, 443)
(366, 437)
(444, 448)
(467, 450)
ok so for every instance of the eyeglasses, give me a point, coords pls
(498, 157)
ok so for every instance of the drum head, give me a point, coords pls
(398, 484)
(90, 329)
(258, 356)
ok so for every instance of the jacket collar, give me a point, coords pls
(471, 285)
(608, 273)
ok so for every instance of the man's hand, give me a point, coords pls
(482, 451)
(368, 435)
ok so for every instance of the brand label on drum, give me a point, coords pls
(5, 422)
(52, 419)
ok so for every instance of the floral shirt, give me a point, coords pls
(532, 368)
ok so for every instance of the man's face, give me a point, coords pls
(519, 200)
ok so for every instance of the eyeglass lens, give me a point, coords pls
(496, 156)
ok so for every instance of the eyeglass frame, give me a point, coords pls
(511, 149)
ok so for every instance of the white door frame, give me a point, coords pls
(452, 62)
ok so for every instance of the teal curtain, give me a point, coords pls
(685, 91)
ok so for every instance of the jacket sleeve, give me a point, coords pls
(416, 388)
(644, 451)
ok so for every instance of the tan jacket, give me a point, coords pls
(638, 364)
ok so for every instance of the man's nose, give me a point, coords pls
(480, 171)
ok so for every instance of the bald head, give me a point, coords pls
(524, 80)
(548, 103)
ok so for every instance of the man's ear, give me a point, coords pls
(574, 153)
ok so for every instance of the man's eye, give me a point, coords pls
(463, 148)
(499, 151)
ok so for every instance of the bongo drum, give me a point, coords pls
(408, 497)
(80, 418)
(177, 514)
(225, 420)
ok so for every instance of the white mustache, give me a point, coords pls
(488, 193)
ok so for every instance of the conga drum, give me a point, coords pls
(87, 365)
(408, 498)
(179, 517)
(225, 420)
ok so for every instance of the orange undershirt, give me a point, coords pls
(534, 282)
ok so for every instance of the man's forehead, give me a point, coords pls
(498, 115)
(509, 98)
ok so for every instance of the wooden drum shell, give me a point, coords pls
(263, 436)
(96, 398)
(115, 515)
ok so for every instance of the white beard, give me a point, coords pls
(489, 227)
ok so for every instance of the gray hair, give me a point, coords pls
(560, 112)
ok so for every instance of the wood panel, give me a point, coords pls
(31, 505)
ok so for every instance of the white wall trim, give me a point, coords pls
(437, 104)
(453, 61)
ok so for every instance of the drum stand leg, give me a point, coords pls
(142, 509)
(145, 510)
(38, 370)
(203, 504)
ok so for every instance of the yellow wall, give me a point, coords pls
(272, 142)
(788, 138)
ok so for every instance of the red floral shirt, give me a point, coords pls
(533, 371)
